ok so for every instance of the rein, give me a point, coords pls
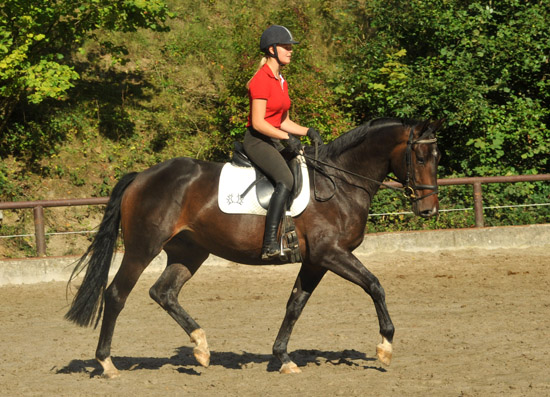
(408, 187)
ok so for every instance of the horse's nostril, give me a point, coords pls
(428, 213)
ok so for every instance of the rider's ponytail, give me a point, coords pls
(262, 63)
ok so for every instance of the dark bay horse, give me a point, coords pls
(172, 206)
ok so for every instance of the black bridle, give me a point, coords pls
(409, 186)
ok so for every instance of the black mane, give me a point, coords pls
(356, 136)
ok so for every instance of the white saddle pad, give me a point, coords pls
(235, 180)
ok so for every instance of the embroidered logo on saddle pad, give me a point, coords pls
(237, 191)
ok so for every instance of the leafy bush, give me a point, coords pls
(484, 67)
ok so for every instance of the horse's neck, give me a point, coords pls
(371, 158)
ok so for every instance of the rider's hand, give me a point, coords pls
(294, 144)
(314, 135)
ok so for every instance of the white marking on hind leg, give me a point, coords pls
(109, 369)
(290, 368)
(201, 351)
(384, 351)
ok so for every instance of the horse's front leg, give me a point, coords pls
(346, 265)
(306, 282)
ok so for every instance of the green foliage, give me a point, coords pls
(92, 89)
(18, 247)
(483, 66)
(29, 141)
(37, 39)
(9, 188)
(41, 79)
(504, 205)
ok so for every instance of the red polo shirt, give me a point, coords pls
(264, 85)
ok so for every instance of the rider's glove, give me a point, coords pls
(314, 135)
(294, 144)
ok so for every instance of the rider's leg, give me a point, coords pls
(277, 206)
(262, 151)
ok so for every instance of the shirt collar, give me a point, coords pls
(269, 72)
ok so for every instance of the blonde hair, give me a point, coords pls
(262, 63)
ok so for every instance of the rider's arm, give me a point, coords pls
(260, 124)
(291, 127)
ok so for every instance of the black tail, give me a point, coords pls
(88, 302)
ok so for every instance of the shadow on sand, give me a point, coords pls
(186, 363)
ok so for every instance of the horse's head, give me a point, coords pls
(415, 164)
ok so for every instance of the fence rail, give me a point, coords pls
(476, 182)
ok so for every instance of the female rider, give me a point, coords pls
(269, 124)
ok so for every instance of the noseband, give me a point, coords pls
(410, 185)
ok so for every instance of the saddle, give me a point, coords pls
(245, 189)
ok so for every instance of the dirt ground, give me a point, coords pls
(468, 323)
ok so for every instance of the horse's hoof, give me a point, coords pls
(109, 369)
(201, 351)
(384, 352)
(202, 356)
(290, 368)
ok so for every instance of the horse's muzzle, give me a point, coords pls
(429, 212)
(427, 207)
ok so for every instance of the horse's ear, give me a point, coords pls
(436, 125)
(433, 127)
(424, 126)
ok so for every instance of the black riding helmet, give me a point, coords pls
(273, 35)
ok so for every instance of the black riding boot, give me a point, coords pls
(275, 211)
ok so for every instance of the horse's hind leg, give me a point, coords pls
(306, 282)
(131, 268)
(166, 290)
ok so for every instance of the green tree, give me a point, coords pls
(482, 64)
(38, 37)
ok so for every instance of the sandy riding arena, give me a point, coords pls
(468, 323)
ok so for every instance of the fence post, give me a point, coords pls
(478, 204)
(39, 232)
